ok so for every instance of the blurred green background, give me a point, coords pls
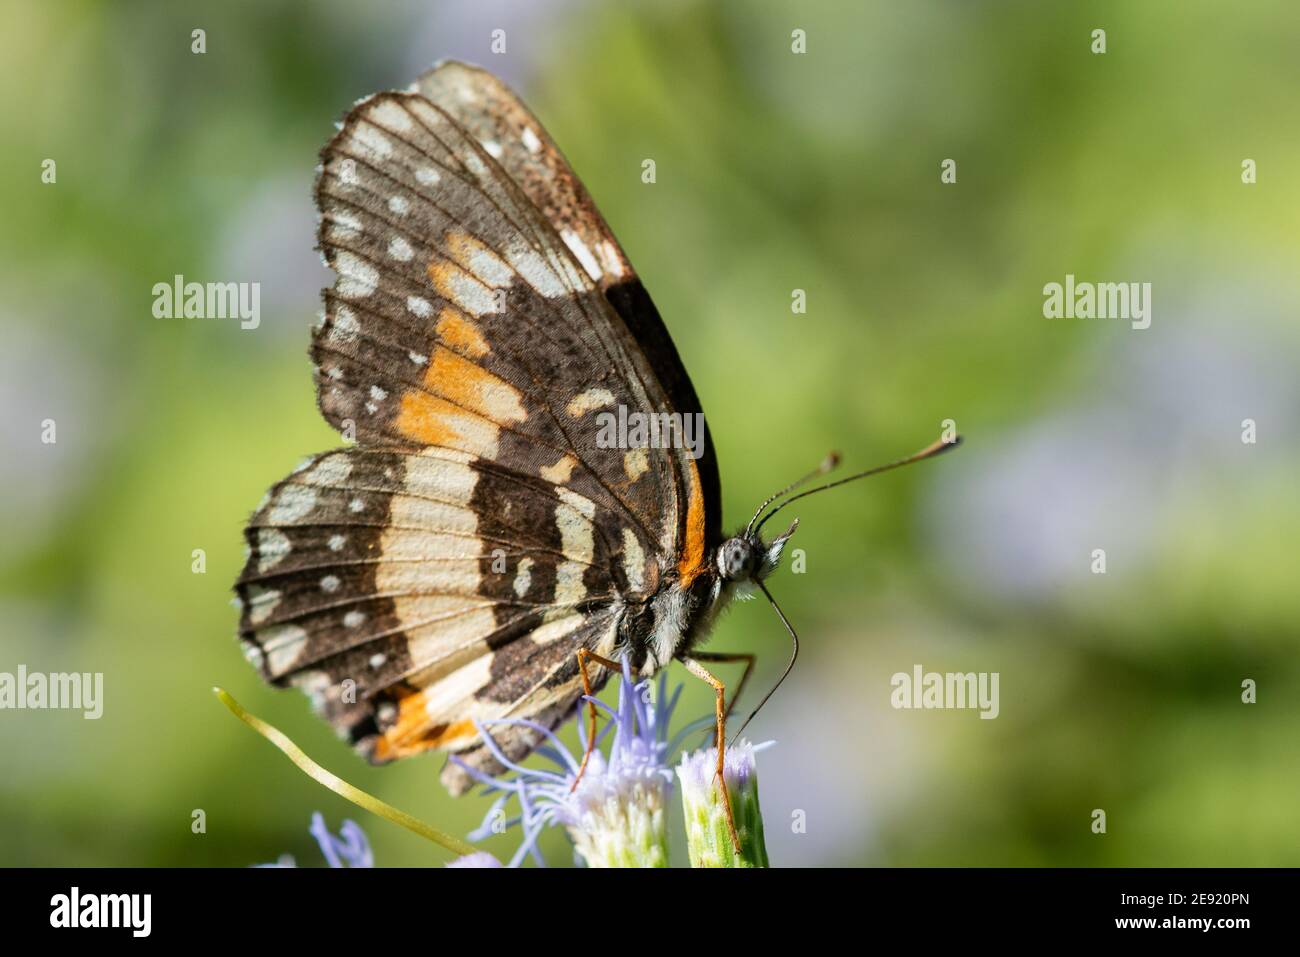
(776, 171)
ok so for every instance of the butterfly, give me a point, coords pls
(484, 550)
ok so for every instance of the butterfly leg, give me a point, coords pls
(722, 658)
(583, 656)
(720, 710)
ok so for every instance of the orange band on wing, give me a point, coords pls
(455, 329)
(456, 734)
(692, 560)
(462, 406)
(413, 732)
(429, 420)
(473, 387)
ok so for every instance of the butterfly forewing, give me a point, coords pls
(486, 107)
(448, 327)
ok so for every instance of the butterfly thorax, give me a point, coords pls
(679, 618)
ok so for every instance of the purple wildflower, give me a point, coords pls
(349, 849)
(616, 815)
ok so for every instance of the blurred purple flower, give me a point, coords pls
(617, 811)
(349, 849)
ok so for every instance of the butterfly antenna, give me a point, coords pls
(935, 448)
(794, 656)
(830, 462)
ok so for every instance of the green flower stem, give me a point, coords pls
(337, 784)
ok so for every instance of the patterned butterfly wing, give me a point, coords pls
(412, 591)
(447, 569)
(491, 113)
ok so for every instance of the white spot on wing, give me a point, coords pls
(367, 139)
(560, 472)
(584, 402)
(292, 503)
(389, 113)
(579, 249)
(536, 271)
(485, 264)
(531, 141)
(636, 462)
(523, 577)
(261, 603)
(331, 470)
(313, 684)
(272, 546)
(633, 560)
(573, 520)
(610, 261)
(345, 330)
(400, 249)
(357, 278)
(419, 306)
(579, 503)
(345, 224)
(283, 646)
(464, 290)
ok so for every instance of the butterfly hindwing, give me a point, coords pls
(409, 592)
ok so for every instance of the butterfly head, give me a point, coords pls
(746, 557)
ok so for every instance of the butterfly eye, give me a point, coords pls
(734, 559)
